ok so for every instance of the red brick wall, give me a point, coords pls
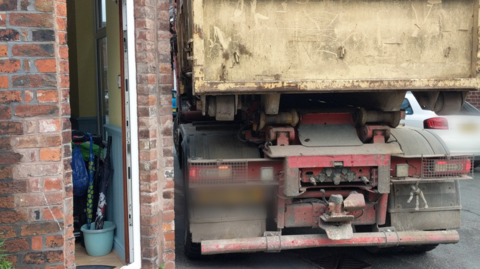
(154, 84)
(473, 98)
(35, 176)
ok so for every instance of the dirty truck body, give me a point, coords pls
(288, 118)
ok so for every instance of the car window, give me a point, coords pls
(407, 107)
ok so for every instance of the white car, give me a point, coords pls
(461, 132)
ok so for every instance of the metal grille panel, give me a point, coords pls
(222, 172)
(449, 166)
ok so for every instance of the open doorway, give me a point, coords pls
(97, 100)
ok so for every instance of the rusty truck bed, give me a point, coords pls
(262, 46)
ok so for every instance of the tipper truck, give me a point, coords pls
(288, 117)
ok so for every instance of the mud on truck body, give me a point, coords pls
(289, 117)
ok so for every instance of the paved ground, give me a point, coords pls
(465, 254)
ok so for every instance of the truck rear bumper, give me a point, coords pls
(285, 242)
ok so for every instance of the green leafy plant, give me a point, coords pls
(4, 264)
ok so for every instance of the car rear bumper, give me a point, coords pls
(285, 242)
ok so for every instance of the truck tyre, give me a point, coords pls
(419, 248)
(476, 164)
(191, 250)
(389, 250)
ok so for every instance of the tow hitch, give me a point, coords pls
(336, 221)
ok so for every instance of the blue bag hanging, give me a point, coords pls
(79, 173)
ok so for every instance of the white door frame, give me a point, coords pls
(133, 179)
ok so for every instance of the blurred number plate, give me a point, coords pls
(468, 128)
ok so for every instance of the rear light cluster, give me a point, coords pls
(236, 171)
(436, 123)
(454, 166)
(219, 172)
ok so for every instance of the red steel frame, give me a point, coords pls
(381, 239)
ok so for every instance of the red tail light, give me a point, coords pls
(219, 172)
(436, 123)
(453, 166)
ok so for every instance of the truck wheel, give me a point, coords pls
(419, 248)
(389, 250)
(476, 164)
(192, 250)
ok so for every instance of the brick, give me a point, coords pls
(54, 241)
(168, 215)
(24, 4)
(28, 96)
(64, 67)
(31, 19)
(62, 38)
(169, 256)
(10, 157)
(44, 5)
(4, 84)
(34, 258)
(169, 236)
(54, 256)
(47, 126)
(16, 245)
(34, 81)
(6, 172)
(5, 143)
(63, 52)
(64, 82)
(169, 265)
(7, 202)
(7, 97)
(9, 35)
(7, 231)
(9, 66)
(12, 187)
(37, 243)
(5, 112)
(39, 199)
(33, 50)
(46, 65)
(10, 127)
(35, 110)
(50, 154)
(35, 141)
(61, 9)
(3, 50)
(170, 245)
(168, 227)
(40, 228)
(52, 213)
(35, 184)
(61, 24)
(43, 35)
(13, 216)
(8, 5)
(52, 184)
(168, 194)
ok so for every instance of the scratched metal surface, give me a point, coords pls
(290, 45)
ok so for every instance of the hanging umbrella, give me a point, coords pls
(90, 185)
(105, 172)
